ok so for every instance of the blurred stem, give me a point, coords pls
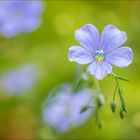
(99, 120)
(78, 72)
(78, 80)
(97, 85)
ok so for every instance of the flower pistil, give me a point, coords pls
(99, 56)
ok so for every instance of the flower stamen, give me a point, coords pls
(99, 56)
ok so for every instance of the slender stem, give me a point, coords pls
(98, 109)
(78, 80)
(114, 74)
(117, 83)
(97, 85)
(118, 88)
(78, 71)
(115, 92)
(120, 93)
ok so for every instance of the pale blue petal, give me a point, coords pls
(81, 99)
(19, 16)
(31, 24)
(120, 57)
(99, 69)
(80, 55)
(112, 38)
(62, 112)
(88, 37)
(19, 80)
(55, 114)
(9, 29)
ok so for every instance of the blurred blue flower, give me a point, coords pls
(63, 111)
(17, 16)
(101, 52)
(19, 80)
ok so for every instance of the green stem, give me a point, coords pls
(114, 74)
(99, 104)
(78, 80)
(97, 85)
(78, 71)
(120, 92)
(117, 82)
(115, 92)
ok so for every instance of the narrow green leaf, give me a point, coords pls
(121, 78)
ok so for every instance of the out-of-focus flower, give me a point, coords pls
(63, 111)
(101, 52)
(19, 80)
(17, 16)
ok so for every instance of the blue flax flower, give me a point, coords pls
(17, 16)
(101, 52)
(19, 80)
(63, 111)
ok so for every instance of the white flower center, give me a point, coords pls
(99, 56)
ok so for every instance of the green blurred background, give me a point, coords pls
(47, 48)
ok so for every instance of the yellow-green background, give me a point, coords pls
(47, 47)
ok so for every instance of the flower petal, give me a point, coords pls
(112, 38)
(88, 37)
(120, 57)
(80, 55)
(56, 117)
(85, 97)
(99, 69)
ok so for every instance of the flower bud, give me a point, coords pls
(113, 106)
(123, 104)
(122, 114)
(101, 100)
